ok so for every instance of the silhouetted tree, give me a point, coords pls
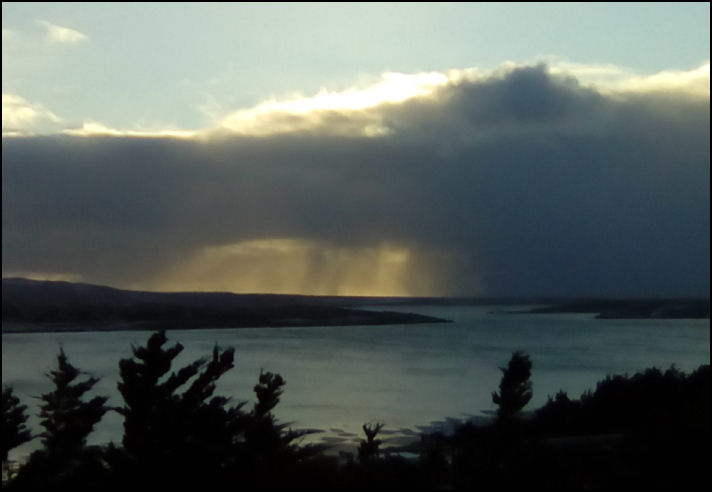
(650, 430)
(172, 438)
(14, 431)
(368, 449)
(515, 388)
(65, 461)
(66, 418)
(263, 438)
(268, 454)
(268, 391)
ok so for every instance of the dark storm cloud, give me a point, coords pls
(525, 184)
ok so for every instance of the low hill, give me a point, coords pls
(633, 308)
(32, 305)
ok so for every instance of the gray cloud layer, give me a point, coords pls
(526, 184)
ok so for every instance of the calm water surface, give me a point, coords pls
(412, 377)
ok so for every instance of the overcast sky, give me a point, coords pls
(377, 149)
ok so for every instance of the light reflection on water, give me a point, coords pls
(408, 376)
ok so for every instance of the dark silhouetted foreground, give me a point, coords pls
(650, 430)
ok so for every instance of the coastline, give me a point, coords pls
(350, 317)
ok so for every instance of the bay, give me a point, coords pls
(414, 378)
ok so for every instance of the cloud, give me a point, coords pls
(8, 35)
(322, 110)
(91, 128)
(613, 79)
(522, 181)
(62, 35)
(693, 81)
(360, 110)
(20, 116)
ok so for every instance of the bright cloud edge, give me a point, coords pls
(395, 88)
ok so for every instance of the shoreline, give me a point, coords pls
(388, 318)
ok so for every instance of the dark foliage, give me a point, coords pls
(65, 461)
(637, 403)
(14, 431)
(174, 439)
(648, 430)
(66, 418)
(271, 449)
(515, 388)
(194, 439)
(368, 449)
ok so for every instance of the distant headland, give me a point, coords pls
(48, 306)
(632, 308)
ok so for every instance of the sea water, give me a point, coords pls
(413, 378)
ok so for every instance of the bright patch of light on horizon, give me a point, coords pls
(295, 265)
(48, 276)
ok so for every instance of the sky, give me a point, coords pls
(469, 149)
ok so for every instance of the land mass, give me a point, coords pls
(40, 306)
(641, 308)
(43, 306)
(632, 308)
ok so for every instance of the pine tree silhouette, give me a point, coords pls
(65, 462)
(66, 418)
(269, 453)
(14, 430)
(515, 388)
(172, 438)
